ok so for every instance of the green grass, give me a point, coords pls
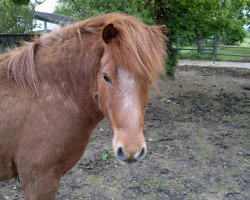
(201, 132)
(242, 51)
(223, 186)
(191, 196)
(180, 187)
(107, 155)
(233, 171)
(194, 55)
(157, 182)
(246, 42)
(183, 154)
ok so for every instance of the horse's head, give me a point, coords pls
(122, 98)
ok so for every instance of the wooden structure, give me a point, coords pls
(52, 18)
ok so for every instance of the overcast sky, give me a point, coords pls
(47, 6)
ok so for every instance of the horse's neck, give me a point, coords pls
(72, 68)
(64, 57)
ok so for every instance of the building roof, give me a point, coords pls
(53, 18)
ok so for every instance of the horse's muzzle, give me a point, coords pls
(130, 157)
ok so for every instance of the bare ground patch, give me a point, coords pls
(197, 130)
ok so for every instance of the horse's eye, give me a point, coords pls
(106, 78)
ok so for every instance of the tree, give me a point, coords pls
(16, 18)
(82, 9)
(193, 18)
(21, 2)
(199, 19)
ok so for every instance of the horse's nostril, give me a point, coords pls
(141, 154)
(120, 154)
(132, 158)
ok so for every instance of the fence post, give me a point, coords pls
(200, 44)
(215, 49)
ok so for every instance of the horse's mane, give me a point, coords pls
(138, 48)
(21, 65)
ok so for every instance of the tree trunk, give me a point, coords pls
(200, 45)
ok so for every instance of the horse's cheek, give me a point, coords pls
(102, 99)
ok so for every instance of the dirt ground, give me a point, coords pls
(197, 131)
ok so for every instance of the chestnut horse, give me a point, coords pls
(54, 90)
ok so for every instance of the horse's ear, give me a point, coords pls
(109, 33)
(163, 29)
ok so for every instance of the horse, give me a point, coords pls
(55, 89)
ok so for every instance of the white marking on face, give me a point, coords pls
(129, 94)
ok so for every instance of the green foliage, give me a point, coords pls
(159, 182)
(26, 2)
(16, 18)
(234, 36)
(107, 155)
(207, 54)
(201, 133)
(202, 18)
(22, 2)
(224, 186)
(193, 55)
(80, 9)
(193, 19)
(172, 61)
